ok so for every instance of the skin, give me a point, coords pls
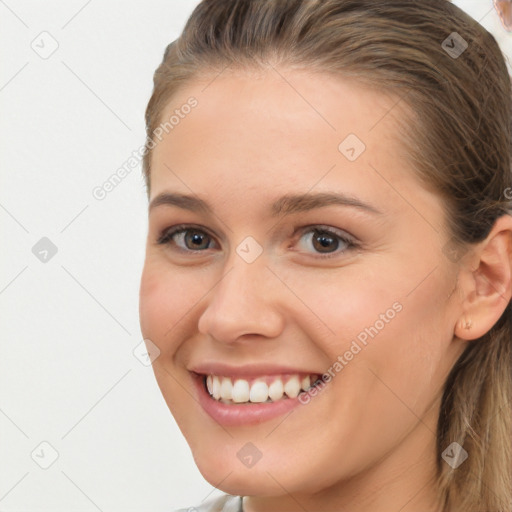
(367, 441)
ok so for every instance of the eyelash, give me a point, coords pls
(167, 235)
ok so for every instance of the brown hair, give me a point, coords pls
(458, 139)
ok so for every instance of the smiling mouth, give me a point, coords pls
(265, 389)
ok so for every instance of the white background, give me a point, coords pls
(69, 325)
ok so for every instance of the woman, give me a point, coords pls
(329, 255)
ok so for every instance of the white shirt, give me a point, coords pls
(226, 503)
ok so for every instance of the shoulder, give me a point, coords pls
(225, 503)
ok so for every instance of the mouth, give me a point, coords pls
(257, 390)
(251, 394)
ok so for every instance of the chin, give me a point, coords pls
(266, 478)
(243, 483)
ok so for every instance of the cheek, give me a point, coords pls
(352, 305)
(409, 354)
(163, 302)
(375, 320)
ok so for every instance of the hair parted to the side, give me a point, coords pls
(458, 139)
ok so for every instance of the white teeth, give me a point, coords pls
(240, 391)
(275, 390)
(292, 387)
(224, 390)
(259, 392)
(216, 388)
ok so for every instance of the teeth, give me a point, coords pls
(292, 387)
(240, 391)
(226, 388)
(216, 388)
(258, 391)
(275, 390)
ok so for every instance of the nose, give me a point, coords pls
(243, 302)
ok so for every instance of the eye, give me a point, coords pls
(188, 238)
(327, 241)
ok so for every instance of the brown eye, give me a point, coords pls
(324, 242)
(196, 239)
(327, 242)
(186, 238)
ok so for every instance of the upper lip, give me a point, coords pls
(247, 370)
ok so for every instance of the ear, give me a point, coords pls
(486, 282)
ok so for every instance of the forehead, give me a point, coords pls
(280, 130)
(293, 103)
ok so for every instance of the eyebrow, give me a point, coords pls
(285, 205)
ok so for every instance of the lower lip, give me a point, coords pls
(243, 414)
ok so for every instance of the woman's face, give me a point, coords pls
(267, 284)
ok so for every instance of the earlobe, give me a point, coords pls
(464, 328)
(467, 323)
(490, 286)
